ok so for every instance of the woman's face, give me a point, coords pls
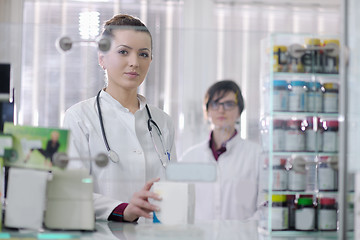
(128, 60)
(223, 113)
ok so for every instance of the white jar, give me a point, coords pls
(305, 215)
(314, 97)
(298, 96)
(294, 136)
(327, 215)
(326, 176)
(278, 135)
(280, 175)
(314, 135)
(330, 135)
(296, 180)
(280, 95)
(331, 97)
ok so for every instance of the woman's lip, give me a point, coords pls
(132, 73)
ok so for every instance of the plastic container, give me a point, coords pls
(279, 213)
(315, 97)
(312, 59)
(305, 215)
(298, 96)
(314, 135)
(280, 95)
(327, 214)
(331, 98)
(296, 180)
(330, 64)
(327, 176)
(279, 176)
(278, 135)
(280, 58)
(330, 135)
(294, 136)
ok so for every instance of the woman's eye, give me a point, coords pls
(124, 52)
(145, 55)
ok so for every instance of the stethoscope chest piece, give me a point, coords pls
(113, 156)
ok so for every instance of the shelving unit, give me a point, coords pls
(300, 165)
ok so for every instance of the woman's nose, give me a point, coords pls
(133, 60)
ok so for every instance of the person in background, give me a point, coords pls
(121, 188)
(235, 194)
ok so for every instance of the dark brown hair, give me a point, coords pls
(124, 21)
(221, 88)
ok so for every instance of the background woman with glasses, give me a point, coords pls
(235, 193)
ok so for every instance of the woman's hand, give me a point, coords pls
(139, 205)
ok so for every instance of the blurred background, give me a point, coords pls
(196, 43)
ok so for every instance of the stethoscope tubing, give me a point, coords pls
(112, 154)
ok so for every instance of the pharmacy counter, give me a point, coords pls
(224, 230)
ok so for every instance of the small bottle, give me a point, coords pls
(326, 175)
(280, 59)
(331, 98)
(294, 136)
(314, 134)
(312, 59)
(297, 174)
(327, 215)
(350, 213)
(279, 213)
(330, 135)
(280, 177)
(297, 96)
(305, 215)
(278, 135)
(330, 63)
(314, 97)
(280, 95)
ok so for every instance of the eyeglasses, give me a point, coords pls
(227, 106)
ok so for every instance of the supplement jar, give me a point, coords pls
(294, 136)
(305, 215)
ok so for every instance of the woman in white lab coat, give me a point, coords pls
(235, 193)
(121, 188)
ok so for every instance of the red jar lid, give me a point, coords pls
(278, 123)
(331, 123)
(327, 201)
(293, 123)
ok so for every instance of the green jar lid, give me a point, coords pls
(305, 201)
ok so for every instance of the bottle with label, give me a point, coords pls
(314, 134)
(312, 59)
(280, 176)
(330, 135)
(280, 58)
(280, 95)
(327, 176)
(305, 214)
(297, 174)
(331, 98)
(330, 63)
(278, 135)
(315, 97)
(327, 214)
(297, 96)
(294, 136)
(279, 213)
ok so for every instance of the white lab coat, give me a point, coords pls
(128, 136)
(235, 194)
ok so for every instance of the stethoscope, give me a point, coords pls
(114, 157)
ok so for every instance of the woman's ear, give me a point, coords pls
(101, 60)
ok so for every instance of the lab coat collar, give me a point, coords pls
(107, 97)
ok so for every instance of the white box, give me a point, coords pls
(25, 200)
(177, 204)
